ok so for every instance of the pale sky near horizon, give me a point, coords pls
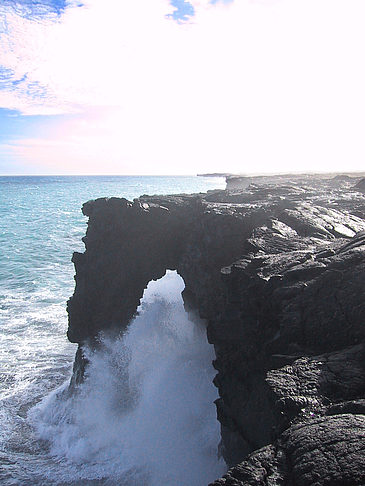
(181, 87)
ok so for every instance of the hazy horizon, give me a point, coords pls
(207, 174)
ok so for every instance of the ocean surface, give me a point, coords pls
(145, 414)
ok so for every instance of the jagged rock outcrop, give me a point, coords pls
(360, 186)
(278, 271)
(322, 451)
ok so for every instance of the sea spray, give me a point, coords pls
(41, 226)
(145, 413)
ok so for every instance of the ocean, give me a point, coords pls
(145, 414)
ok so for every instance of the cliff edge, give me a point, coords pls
(277, 268)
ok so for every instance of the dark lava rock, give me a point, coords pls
(360, 186)
(328, 451)
(278, 271)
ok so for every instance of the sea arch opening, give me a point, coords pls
(170, 365)
(144, 413)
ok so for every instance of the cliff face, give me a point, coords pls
(278, 272)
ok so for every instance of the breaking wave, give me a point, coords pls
(145, 413)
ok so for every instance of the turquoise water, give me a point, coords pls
(41, 225)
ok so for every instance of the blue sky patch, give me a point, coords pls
(5, 76)
(16, 82)
(34, 9)
(183, 12)
(12, 125)
(15, 126)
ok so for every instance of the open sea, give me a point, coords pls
(144, 415)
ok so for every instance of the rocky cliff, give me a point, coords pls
(277, 268)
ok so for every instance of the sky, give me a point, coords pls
(181, 87)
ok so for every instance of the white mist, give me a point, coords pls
(145, 413)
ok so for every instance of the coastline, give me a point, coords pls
(258, 264)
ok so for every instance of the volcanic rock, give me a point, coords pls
(277, 269)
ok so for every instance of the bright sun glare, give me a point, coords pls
(244, 86)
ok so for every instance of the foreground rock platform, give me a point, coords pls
(276, 266)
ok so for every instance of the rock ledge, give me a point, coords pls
(277, 268)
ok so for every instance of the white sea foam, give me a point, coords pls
(145, 414)
(41, 225)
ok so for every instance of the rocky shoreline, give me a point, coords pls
(276, 266)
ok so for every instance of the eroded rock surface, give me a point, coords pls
(324, 451)
(277, 267)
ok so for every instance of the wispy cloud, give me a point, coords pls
(59, 56)
(39, 9)
(261, 84)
